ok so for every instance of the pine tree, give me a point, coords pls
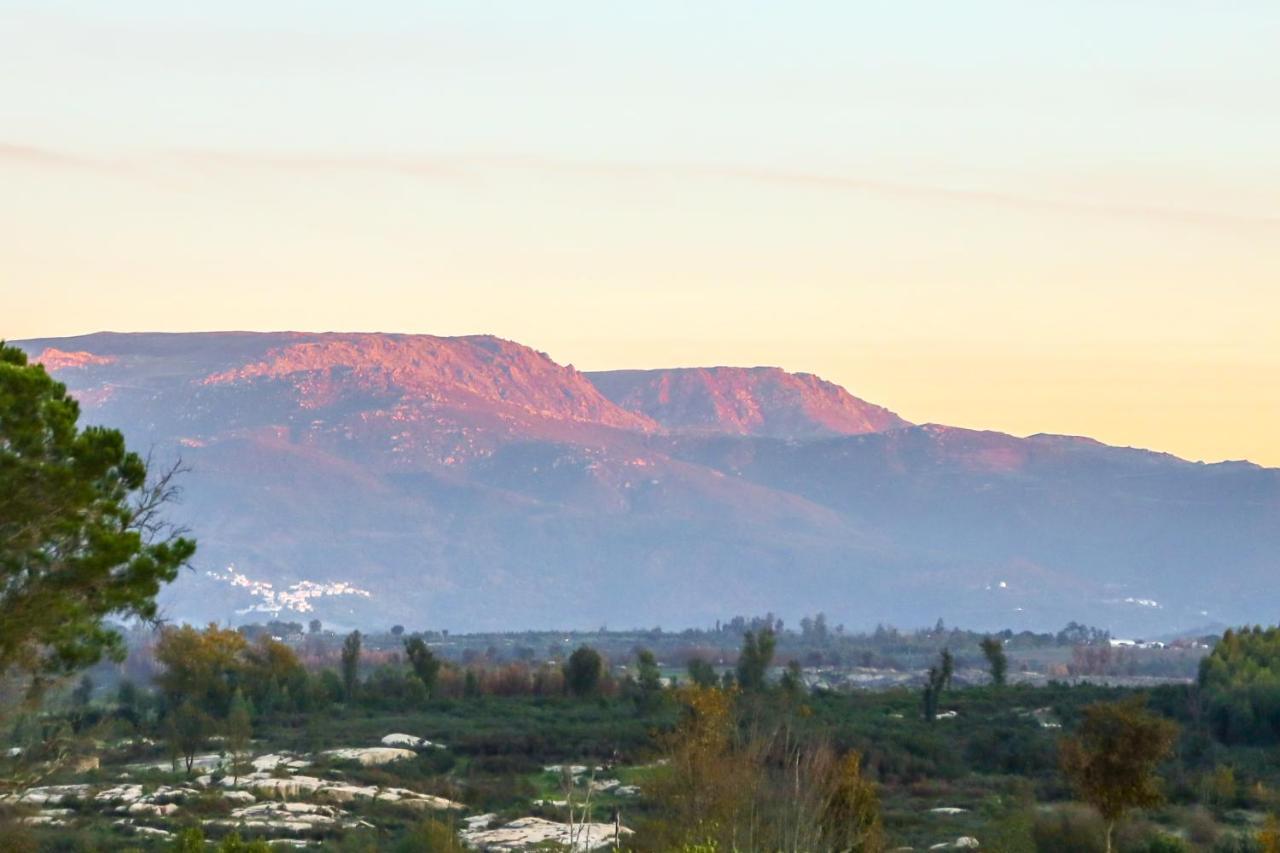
(81, 531)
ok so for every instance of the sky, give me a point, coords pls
(1025, 216)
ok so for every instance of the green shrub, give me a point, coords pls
(1069, 829)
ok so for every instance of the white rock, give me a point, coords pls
(46, 794)
(530, 831)
(409, 741)
(42, 820)
(119, 794)
(273, 761)
(371, 756)
(153, 809)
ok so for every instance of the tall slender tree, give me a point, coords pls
(424, 662)
(755, 659)
(351, 664)
(998, 663)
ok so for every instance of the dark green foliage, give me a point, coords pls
(81, 537)
(792, 681)
(993, 651)
(425, 664)
(189, 727)
(1240, 682)
(583, 671)
(702, 673)
(755, 658)
(936, 680)
(351, 665)
(648, 676)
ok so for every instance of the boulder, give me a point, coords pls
(409, 742)
(370, 756)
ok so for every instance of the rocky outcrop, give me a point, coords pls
(409, 742)
(530, 831)
(370, 756)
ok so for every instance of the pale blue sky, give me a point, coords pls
(1058, 216)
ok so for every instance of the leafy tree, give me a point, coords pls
(701, 672)
(314, 626)
(1240, 680)
(850, 818)
(351, 664)
(1112, 759)
(397, 630)
(755, 658)
(648, 681)
(208, 666)
(647, 673)
(239, 732)
(424, 662)
(993, 650)
(792, 681)
(936, 680)
(583, 671)
(704, 782)
(188, 729)
(471, 684)
(129, 702)
(82, 537)
(200, 666)
(946, 668)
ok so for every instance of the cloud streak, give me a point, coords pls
(462, 167)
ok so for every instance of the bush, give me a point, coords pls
(1070, 829)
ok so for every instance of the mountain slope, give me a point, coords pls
(744, 401)
(474, 483)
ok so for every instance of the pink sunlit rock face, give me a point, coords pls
(56, 359)
(481, 371)
(744, 401)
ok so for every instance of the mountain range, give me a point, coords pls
(475, 483)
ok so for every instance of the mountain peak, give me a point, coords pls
(477, 368)
(762, 401)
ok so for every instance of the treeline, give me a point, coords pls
(1240, 684)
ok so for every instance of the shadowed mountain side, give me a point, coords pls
(1126, 524)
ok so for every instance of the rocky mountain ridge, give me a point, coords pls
(476, 483)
